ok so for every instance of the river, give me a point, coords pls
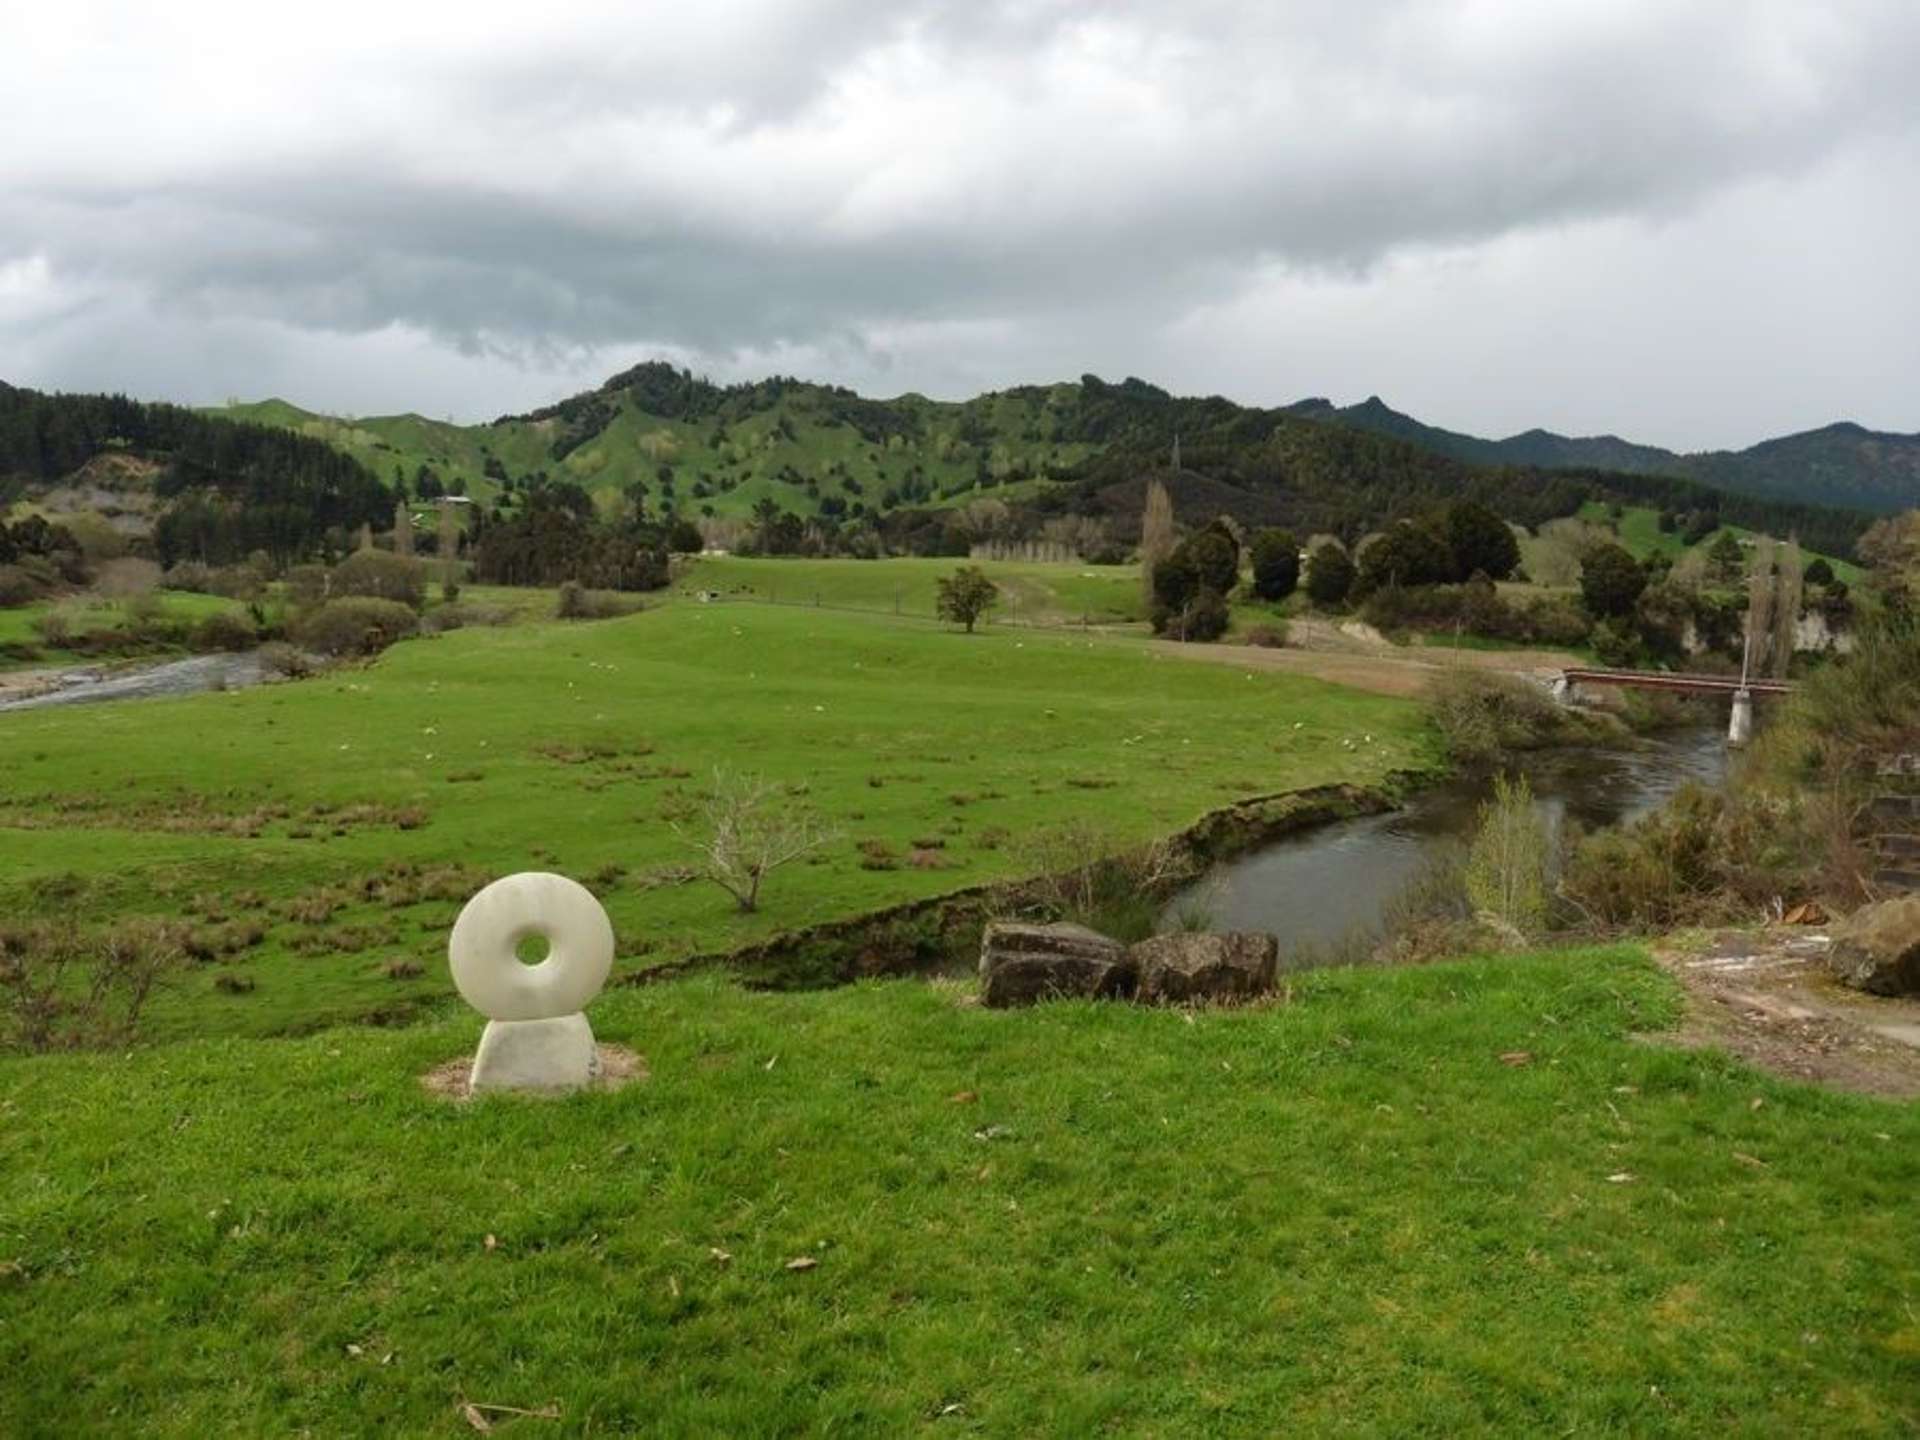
(146, 682)
(1320, 887)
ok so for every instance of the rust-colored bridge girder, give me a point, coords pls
(1686, 684)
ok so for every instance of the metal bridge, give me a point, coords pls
(1666, 680)
(1739, 689)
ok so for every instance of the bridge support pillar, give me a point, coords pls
(1740, 727)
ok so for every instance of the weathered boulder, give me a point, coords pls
(1175, 969)
(1020, 964)
(1877, 948)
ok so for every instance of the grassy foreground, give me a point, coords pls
(320, 832)
(1343, 1213)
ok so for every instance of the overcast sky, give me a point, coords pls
(1693, 222)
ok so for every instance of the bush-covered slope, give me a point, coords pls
(703, 450)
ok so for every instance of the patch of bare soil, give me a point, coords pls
(619, 1067)
(1398, 670)
(1767, 997)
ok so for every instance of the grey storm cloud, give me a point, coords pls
(939, 195)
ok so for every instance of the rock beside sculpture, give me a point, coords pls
(1022, 963)
(1184, 969)
(1877, 948)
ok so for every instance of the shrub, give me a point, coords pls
(1276, 564)
(61, 989)
(55, 627)
(308, 585)
(1617, 643)
(279, 658)
(1654, 873)
(378, 575)
(1329, 575)
(1268, 637)
(354, 626)
(1506, 875)
(17, 587)
(576, 602)
(1481, 715)
(225, 630)
(1078, 876)
(1203, 617)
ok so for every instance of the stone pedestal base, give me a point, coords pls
(543, 1055)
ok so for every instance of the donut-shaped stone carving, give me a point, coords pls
(490, 974)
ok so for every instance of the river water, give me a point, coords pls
(1322, 886)
(172, 677)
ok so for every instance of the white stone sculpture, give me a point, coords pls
(537, 1037)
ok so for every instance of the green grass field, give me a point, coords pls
(1639, 530)
(575, 748)
(1343, 1214)
(1031, 593)
(91, 614)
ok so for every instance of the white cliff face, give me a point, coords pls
(1812, 632)
(537, 1038)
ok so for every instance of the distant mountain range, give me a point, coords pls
(1840, 464)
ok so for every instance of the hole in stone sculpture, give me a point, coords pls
(532, 949)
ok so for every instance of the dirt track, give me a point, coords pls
(1381, 669)
(1766, 996)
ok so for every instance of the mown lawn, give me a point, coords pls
(577, 748)
(1343, 1214)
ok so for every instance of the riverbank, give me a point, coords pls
(318, 838)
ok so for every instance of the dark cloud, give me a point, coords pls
(958, 195)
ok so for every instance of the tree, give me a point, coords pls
(1276, 564)
(402, 527)
(966, 595)
(1156, 534)
(1408, 554)
(1172, 584)
(1216, 558)
(1329, 575)
(683, 536)
(750, 828)
(1506, 875)
(1819, 572)
(1611, 581)
(1481, 541)
(1725, 558)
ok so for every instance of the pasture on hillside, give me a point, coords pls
(317, 833)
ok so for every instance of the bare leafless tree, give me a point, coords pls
(1788, 587)
(748, 828)
(1156, 535)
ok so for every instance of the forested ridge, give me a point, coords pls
(229, 489)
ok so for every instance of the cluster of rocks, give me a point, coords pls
(1022, 963)
(1877, 948)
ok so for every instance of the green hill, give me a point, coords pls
(699, 450)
